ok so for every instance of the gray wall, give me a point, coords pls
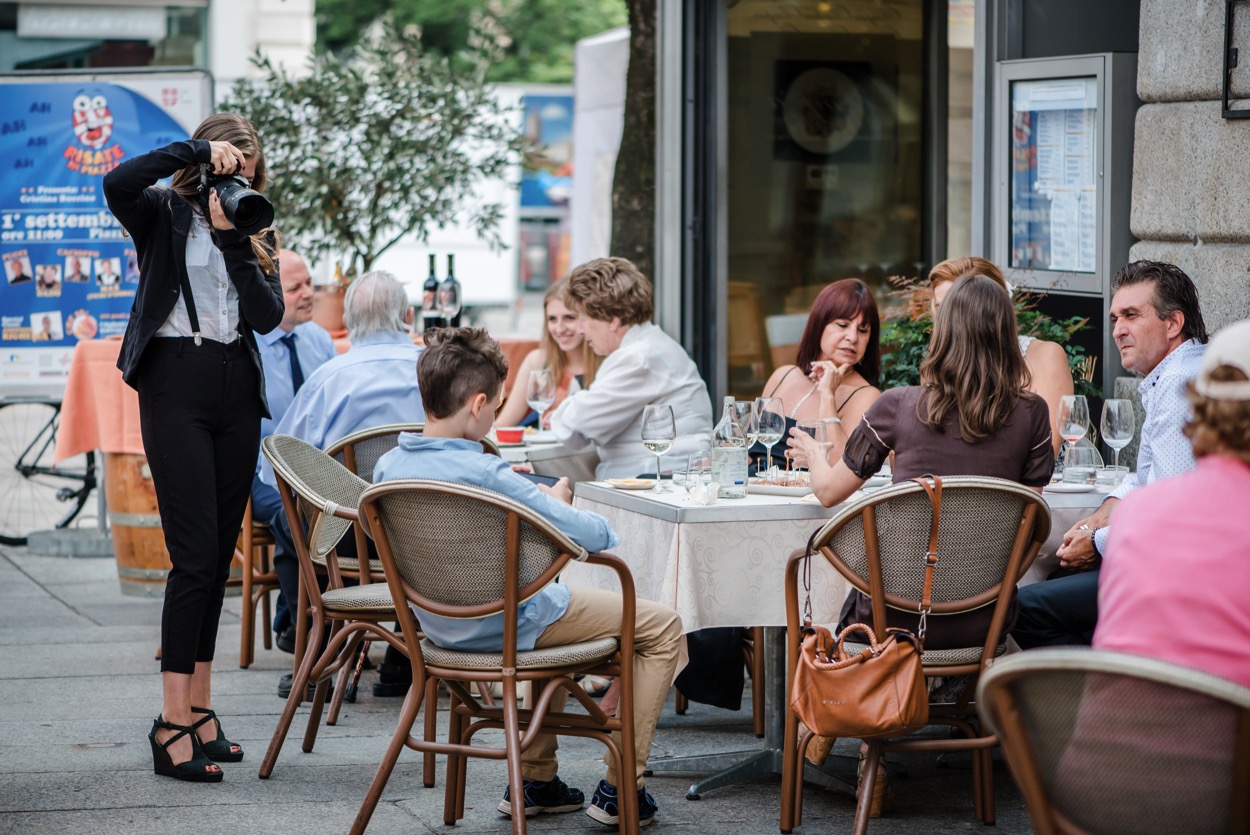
(1191, 180)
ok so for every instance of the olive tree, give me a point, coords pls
(385, 142)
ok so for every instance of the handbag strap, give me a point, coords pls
(931, 556)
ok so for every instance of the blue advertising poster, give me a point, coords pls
(547, 177)
(70, 271)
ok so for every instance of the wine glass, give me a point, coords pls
(540, 392)
(770, 425)
(659, 430)
(744, 413)
(1118, 425)
(1073, 418)
(449, 298)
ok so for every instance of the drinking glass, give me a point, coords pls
(815, 428)
(1118, 424)
(659, 430)
(1080, 464)
(698, 469)
(770, 424)
(449, 298)
(1073, 418)
(540, 392)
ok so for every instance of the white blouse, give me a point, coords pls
(216, 299)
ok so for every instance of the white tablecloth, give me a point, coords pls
(724, 565)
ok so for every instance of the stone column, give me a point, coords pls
(1191, 175)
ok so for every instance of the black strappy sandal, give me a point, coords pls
(194, 769)
(219, 749)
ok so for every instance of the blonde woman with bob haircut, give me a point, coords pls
(1047, 361)
(562, 348)
(972, 413)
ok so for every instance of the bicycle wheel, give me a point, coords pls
(34, 494)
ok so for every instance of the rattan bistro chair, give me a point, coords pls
(1103, 742)
(990, 531)
(254, 550)
(460, 551)
(319, 496)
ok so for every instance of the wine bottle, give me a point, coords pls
(429, 298)
(729, 455)
(452, 286)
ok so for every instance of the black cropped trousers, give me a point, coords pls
(199, 411)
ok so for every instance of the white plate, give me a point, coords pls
(1066, 487)
(632, 483)
(777, 489)
(543, 437)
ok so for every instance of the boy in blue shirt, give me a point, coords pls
(461, 376)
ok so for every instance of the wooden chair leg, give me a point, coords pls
(247, 634)
(757, 680)
(680, 704)
(865, 790)
(407, 717)
(431, 731)
(299, 684)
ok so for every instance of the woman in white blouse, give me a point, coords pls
(642, 366)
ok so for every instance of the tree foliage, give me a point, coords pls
(388, 141)
(534, 38)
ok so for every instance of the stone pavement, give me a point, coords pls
(80, 687)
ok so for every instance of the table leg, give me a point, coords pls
(733, 767)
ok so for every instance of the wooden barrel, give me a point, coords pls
(138, 539)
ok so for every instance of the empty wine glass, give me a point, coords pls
(770, 424)
(449, 298)
(659, 430)
(1073, 418)
(540, 392)
(1118, 425)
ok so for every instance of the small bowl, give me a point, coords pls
(509, 434)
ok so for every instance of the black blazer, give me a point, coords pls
(159, 221)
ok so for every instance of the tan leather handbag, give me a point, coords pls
(879, 692)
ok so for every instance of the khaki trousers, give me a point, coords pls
(594, 614)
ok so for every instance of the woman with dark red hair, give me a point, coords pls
(838, 365)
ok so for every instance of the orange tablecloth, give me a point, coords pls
(99, 411)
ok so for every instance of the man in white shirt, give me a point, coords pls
(643, 366)
(1157, 325)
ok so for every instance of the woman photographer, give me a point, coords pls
(190, 352)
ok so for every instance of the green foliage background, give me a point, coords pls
(908, 325)
(535, 38)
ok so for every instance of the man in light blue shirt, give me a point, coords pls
(1157, 325)
(373, 384)
(290, 352)
(462, 374)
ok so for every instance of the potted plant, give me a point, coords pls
(386, 142)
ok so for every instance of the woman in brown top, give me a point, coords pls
(972, 413)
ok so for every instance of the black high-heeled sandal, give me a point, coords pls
(194, 769)
(218, 750)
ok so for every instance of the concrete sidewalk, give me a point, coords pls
(80, 688)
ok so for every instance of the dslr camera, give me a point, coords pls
(247, 209)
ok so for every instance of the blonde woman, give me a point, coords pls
(1047, 361)
(563, 349)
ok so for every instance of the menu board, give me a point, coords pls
(1054, 174)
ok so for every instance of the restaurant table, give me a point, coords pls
(98, 410)
(724, 565)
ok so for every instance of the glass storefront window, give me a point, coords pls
(825, 163)
(94, 37)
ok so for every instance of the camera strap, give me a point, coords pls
(188, 299)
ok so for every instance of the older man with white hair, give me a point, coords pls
(373, 384)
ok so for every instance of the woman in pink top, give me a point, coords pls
(1175, 584)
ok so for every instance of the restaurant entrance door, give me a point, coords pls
(838, 145)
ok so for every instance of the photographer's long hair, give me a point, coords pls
(239, 132)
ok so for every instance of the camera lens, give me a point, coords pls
(248, 210)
